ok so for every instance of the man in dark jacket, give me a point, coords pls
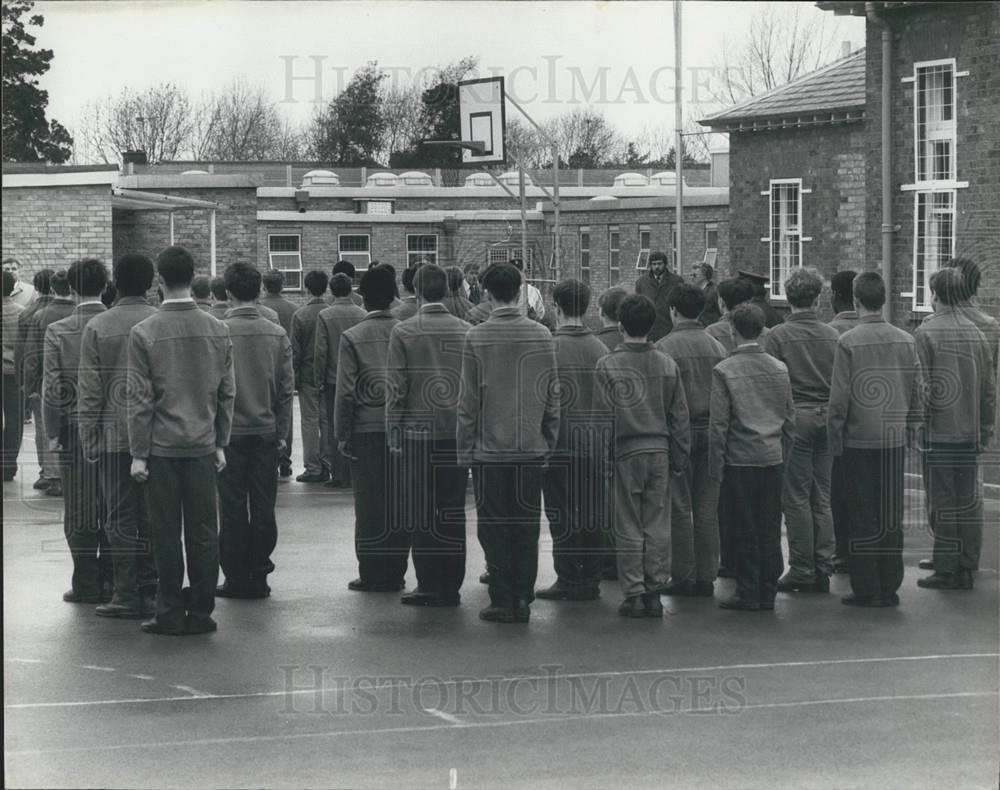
(656, 285)
(759, 283)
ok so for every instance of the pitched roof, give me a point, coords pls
(837, 86)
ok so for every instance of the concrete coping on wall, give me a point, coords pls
(711, 194)
(692, 198)
(194, 181)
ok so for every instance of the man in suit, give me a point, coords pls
(656, 286)
(313, 417)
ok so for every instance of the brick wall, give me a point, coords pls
(148, 232)
(970, 33)
(54, 226)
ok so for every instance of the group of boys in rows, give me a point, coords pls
(655, 460)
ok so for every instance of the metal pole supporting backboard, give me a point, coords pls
(679, 138)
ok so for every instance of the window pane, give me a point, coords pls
(353, 244)
(935, 98)
(283, 243)
(935, 239)
(786, 232)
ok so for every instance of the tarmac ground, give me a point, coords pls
(318, 686)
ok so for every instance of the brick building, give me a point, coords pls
(806, 158)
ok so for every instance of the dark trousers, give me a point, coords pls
(753, 501)
(841, 509)
(127, 529)
(82, 516)
(340, 466)
(285, 456)
(575, 493)
(955, 509)
(433, 513)
(248, 531)
(875, 494)
(509, 509)
(379, 543)
(182, 491)
(13, 424)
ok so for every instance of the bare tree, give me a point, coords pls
(157, 120)
(402, 111)
(239, 123)
(586, 138)
(783, 42)
(658, 141)
(526, 145)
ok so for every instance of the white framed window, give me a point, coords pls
(642, 260)
(585, 255)
(614, 255)
(934, 121)
(505, 254)
(355, 248)
(284, 254)
(785, 199)
(934, 240)
(711, 243)
(421, 247)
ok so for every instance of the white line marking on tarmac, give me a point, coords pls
(97, 669)
(518, 678)
(452, 779)
(25, 660)
(445, 716)
(106, 747)
(142, 677)
(195, 694)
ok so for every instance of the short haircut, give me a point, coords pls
(972, 274)
(218, 288)
(201, 286)
(869, 290)
(273, 281)
(341, 284)
(392, 271)
(88, 277)
(841, 286)
(636, 314)
(687, 299)
(610, 301)
(658, 255)
(706, 270)
(243, 281)
(735, 291)
(110, 294)
(431, 282)
(377, 288)
(408, 275)
(175, 266)
(344, 267)
(60, 283)
(14, 261)
(748, 321)
(42, 280)
(9, 280)
(315, 282)
(455, 278)
(134, 275)
(803, 287)
(572, 297)
(948, 286)
(502, 281)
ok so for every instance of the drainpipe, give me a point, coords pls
(887, 194)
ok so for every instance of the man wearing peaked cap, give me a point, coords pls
(759, 281)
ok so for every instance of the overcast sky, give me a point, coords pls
(554, 55)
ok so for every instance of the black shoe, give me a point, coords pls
(725, 573)
(155, 627)
(652, 606)
(249, 591)
(312, 477)
(120, 612)
(484, 578)
(285, 470)
(867, 601)
(420, 598)
(558, 592)
(704, 589)
(497, 614)
(632, 607)
(787, 585)
(926, 565)
(360, 585)
(74, 597)
(41, 484)
(841, 566)
(890, 600)
(337, 484)
(200, 625)
(822, 582)
(684, 589)
(54, 488)
(522, 611)
(739, 604)
(963, 579)
(939, 581)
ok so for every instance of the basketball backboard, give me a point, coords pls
(481, 107)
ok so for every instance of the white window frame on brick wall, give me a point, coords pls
(711, 251)
(286, 261)
(585, 254)
(614, 255)
(783, 242)
(645, 244)
(935, 189)
(360, 258)
(414, 254)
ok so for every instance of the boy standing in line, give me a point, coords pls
(875, 409)
(359, 424)
(104, 433)
(609, 302)
(314, 426)
(180, 363)
(248, 487)
(751, 420)
(508, 421)
(641, 388)
(424, 376)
